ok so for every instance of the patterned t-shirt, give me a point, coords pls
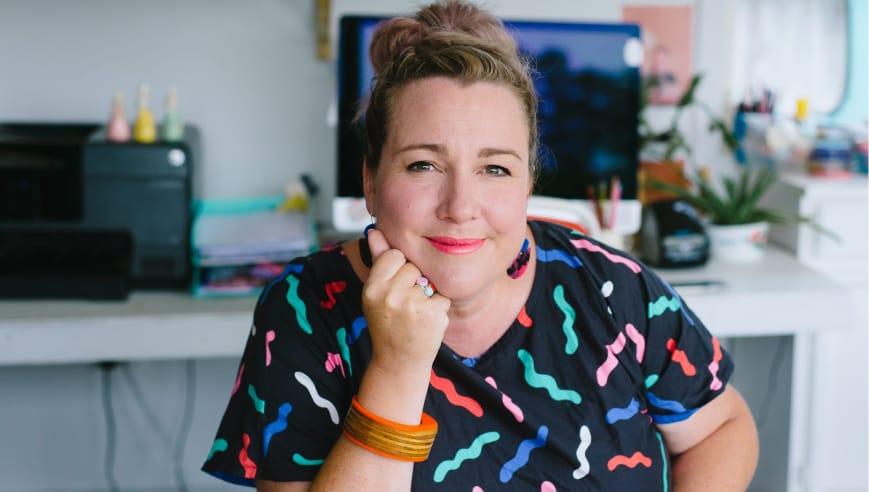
(566, 399)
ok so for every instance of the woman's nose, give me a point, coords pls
(459, 199)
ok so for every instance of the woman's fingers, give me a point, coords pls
(377, 244)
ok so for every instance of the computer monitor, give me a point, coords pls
(588, 80)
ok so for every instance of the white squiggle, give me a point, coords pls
(638, 340)
(584, 443)
(508, 402)
(318, 400)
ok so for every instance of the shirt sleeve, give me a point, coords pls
(684, 366)
(291, 391)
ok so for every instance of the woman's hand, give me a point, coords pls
(405, 326)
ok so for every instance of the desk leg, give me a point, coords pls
(799, 468)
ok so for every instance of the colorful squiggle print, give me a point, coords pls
(472, 452)
(270, 337)
(243, 458)
(523, 453)
(331, 289)
(545, 381)
(359, 324)
(572, 342)
(664, 304)
(258, 404)
(550, 255)
(614, 415)
(302, 461)
(237, 380)
(681, 358)
(524, 319)
(508, 402)
(594, 248)
(318, 400)
(638, 339)
(584, 443)
(298, 304)
(341, 336)
(275, 426)
(219, 445)
(611, 362)
(447, 387)
(290, 268)
(637, 458)
(713, 366)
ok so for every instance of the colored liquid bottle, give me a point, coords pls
(144, 130)
(118, 129)
(172, 129)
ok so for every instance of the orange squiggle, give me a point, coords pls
(449, 389)
(681, 358)
(524, 319)
(333, 288)
(637, 458)
(246, 463)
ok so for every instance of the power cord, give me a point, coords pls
(109, 415)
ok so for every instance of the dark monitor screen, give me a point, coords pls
(588, 80)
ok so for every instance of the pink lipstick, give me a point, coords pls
(455, 246)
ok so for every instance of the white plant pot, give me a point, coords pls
(744, 243)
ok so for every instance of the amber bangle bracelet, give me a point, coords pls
(388, 438)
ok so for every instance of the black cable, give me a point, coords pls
(108, 413)
(772, 382)
(181, 440)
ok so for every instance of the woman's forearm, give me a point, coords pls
(724, 461)
(397, 396)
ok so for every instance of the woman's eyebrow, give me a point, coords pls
(439, 149)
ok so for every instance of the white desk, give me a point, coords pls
(774, 297)
(778, 296)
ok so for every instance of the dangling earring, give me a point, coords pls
(520, 264)
(364, 250)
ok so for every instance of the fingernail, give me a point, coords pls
(368, 229)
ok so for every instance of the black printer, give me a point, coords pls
(82, 217)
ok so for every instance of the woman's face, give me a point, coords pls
(452, 185)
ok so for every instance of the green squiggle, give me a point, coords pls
(663, 304)
(663, 461)
(471, 452)
(651, 380)
(299, 305)
(301, 460)
(545, 381)
(341, 334)
(259, 404)
(569, 318)
(219, 445)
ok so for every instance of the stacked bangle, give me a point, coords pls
(387, 438)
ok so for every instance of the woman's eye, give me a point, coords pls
(420, 166)
(493, 170)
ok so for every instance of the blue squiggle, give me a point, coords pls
(664, 304)
(680, 413)
(616, 414)
(545, 381)
(469, 453)
(550, 255)
(569, 317)
(522, 454)
(277, 425)
(341, 335)
(359, 324)
(290, 268)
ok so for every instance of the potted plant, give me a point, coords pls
(663, 150)
(738, 225)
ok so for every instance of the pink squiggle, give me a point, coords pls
(603, 372)
(547, 486)
(508, 402)
(334, 361)
(638, 340)
(237, 380)
(270, 337)
(713, 366)
(589, 246)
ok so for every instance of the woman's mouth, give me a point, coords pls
(455, 246)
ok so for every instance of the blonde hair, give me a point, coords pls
(451, 39)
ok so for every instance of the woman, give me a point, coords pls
(546, 361)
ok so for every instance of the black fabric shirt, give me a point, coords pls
(566, 399)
